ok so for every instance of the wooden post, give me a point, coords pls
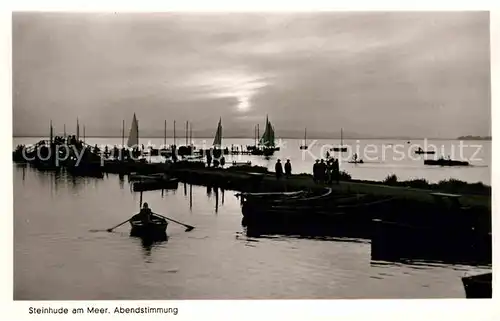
(140, 202)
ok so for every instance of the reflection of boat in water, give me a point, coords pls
(156, 230)
(478, 286)
(445, 162)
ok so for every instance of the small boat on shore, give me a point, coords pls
(155, 230)
(154, 184)
(445, 162)
(478, 286)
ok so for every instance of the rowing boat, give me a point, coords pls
(156, 229)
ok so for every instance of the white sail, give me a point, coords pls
(133, 137)
(218, 135)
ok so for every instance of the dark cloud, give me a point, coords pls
(420, 74)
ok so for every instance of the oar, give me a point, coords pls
(188, 227)
(111, 229)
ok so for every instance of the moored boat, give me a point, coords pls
(154, 184)
(138, 177)
(450, 243)
(478, 286)
(340, 148)
(156, 229)
(311, 214)
(445, 162)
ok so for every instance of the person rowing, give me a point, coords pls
(145, 215)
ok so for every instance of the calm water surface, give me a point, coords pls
(56, 257)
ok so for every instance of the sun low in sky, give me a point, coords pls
(419, 74)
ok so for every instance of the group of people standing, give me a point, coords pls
(279, 169)
(326, 172)
(323, 172)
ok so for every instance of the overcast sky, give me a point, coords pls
(390, 74)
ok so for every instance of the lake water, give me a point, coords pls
(381, 157)
(57, 257)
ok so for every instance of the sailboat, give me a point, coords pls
(305, 140)
(341, 148)
(133, 136)
(218, 135)
(217, 144)
(266, 142)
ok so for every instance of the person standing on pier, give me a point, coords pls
(279, 169)
(288, 169)
(316, 171)
(209, 158)
(336, 170)
(329, 171)
(321, 171)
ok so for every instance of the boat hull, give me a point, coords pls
(154, 184)
(156, 230)
(478, 286)
(300, 214)
(393, 241)
(445, 162)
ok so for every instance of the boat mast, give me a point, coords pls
(191, 134)
(64, 130)
(51, 132)
(258, 133)
(305, 136)
(187, 125)
(174, 133)
(341, 137)
(84, 134)
(123, 132)
(165, 135)
(77, 130)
